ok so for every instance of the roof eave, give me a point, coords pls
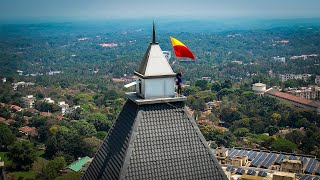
(155, 76)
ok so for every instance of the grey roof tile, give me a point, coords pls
(154, 141)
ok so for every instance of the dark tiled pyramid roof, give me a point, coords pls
(154, 141)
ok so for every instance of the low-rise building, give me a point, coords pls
(286, 77)
(221, 154)
(80, 165)
(22, 84)
(1, 165)
(293, 166)
(252, 177)
(206, 79)
(237, 160)
(312, 92)
(279, 59)
(29, 101)
(16, 108)
(317, 80)
(48, 100)
(64, 106)
(28, 131)
(294, 100)
(259, 88)
(284, 176)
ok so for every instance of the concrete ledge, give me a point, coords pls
(140, 101)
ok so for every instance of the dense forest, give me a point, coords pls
(76, 62)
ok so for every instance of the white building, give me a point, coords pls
(64, 107)
(29, 101)
(22, 84)
(317, 80)
(71, 109)
(279, 59)
(307, 93)
(155, 78)
(237, 62)
(48, 100)
(206, 79)
(286, 77)
(259, 88)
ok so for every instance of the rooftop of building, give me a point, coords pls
(150, 139)
(27, 129)
(293, 98)
(138, 100)
(78, 164)
(154, 63)
(259, 84)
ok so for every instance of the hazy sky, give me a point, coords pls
(158, 8)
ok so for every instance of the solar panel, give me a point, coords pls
(240, 152)
(305, 177)
(304, 160)
(316, 178)
(318, 171)
(233, 153)
(258, 160)
(311, 165)
(246, 152)
(262, 174)
(240, 171)
(229, 168)
(254, 161)
(251, 172)
(279, 159)
(252, 155)
(268, 160)
(292, 157)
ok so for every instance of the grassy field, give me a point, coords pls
(4, 158)
(25, 175)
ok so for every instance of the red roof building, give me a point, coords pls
(26, 130)
(46, 114)
(9, 121)
(2, 119)
(15, 107)
(294, 100)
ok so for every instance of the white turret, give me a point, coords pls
(155, 77)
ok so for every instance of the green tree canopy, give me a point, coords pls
(202, 84)
(284, 145)
(22, 155)
(6, 136)
(51, 170)
(100, 121)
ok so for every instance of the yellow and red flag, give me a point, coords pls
(180, 49)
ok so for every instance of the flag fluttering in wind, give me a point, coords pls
(180, 49)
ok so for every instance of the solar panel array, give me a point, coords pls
(318, 171)
(269, 160)
(260, 173)
(265, 160)
(305, 177)
(311, 165)
(316, 178)
(251, 172)
(240, 171)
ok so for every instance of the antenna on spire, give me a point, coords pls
(154, 34)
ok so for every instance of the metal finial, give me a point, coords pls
(153, 34)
